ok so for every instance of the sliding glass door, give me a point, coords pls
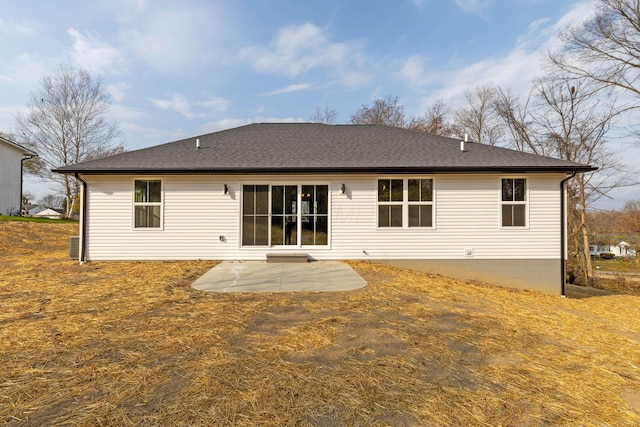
(285, 215)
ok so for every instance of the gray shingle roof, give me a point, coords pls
(317, 148)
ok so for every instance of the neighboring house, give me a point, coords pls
(334, 192)
(11, 157)
(622, 249)
(31, 210)
(49, 213)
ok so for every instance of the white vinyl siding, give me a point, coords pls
(200, 221)
(10, 163)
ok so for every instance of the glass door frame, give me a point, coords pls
(299, 213)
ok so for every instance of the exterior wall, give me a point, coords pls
(10, 164)
(201, 222)
(540, 274)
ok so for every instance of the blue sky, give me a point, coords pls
(179, 69)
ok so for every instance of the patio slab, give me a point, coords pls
(260, 276)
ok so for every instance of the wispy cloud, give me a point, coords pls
(217, 105)
(118, 91)
(298, 49)
(93, 54)
(22, 28)
(473, 6)
(180, 104)
(172, 39)
(235, 122)
(291, 88)
(27, 69)
(177, 102)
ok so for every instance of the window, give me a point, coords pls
(420, 202)
(390, 198)
(405, 201)
(514, 202)
(147, 203)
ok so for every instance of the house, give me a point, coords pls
(333, 192)
(622, 249)
(31, 210)
(49, 213)
(11, 157)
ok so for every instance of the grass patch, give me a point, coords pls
(631, 265)
(131, 343)
(41, 220)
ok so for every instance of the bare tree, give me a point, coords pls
(27, 197)
(435, 120)
(479, 119)
(567, 118)
(606, 48)
(66, 123)
(51, 200)
(385, 111)
(325, 114)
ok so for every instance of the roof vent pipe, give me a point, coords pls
(197, 143)
(463, 144)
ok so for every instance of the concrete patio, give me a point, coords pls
(260, 276)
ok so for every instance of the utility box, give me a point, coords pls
(74, 247)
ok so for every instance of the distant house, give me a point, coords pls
(31, 210)
(11, 157)
(622, 249)
(49, 213)
(333, 192)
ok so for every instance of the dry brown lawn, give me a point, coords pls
(130, 343)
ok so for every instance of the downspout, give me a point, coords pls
(563, 221)
(21, 176)
(83, 212)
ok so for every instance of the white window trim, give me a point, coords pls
(405, 204)
(134, 204)
(525, 203)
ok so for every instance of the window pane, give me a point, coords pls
(507, 190)
(290, 230)
(147, 216)
(384, 190)
(414, 190)
(291, 199)
(322, 231)
(519, 215)
(262, 231)
(427, 190)
(396, 215)
(383, 216)
(322, 197)
(426, 216)
(140, 191)
(262, 199)
(277, 199)
(396, 190)
(519, 190)
(507, 215)
(248, 230)
(277, 230)
(414, 216)
(155, 194)
(248, 193)
(420, 216)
